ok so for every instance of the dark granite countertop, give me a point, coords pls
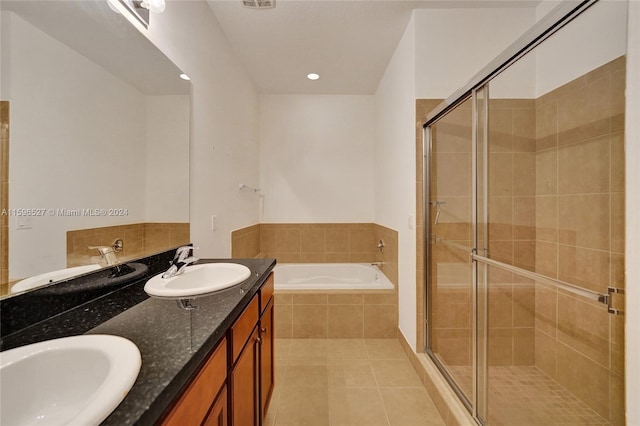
(173, 341)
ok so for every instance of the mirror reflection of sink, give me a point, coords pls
(107, 278)
(198, 279)
(75, 380)
(53, 276)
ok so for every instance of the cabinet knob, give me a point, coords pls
(259, 339)
(263, 330)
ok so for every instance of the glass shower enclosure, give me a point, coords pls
(524, 224)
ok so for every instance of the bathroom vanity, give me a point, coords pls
(245, 358)
(205, 360)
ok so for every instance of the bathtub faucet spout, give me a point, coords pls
(378, 264)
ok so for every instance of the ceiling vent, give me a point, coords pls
(259, 4)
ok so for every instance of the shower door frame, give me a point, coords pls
(477, 405)
(556, 19)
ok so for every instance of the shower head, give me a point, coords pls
(243, 186)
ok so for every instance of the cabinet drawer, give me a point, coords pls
(194, 404)
(242, 328)
(266, 292)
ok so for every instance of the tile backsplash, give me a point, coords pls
(140, 239)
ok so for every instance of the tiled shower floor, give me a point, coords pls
(525, 396)
(357, 382)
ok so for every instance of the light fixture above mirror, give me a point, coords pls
(140, 9)
(155, 6)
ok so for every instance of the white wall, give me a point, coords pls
(596, 37)
(55, 145)
(395, 166)
(632, 273)
(316, 158)
(224, 123)
(452, 45)
(167, 159)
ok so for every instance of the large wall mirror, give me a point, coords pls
(95, 138)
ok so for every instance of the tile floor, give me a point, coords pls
(526, 396)
(340, 382)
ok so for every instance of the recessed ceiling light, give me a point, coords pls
(313, 76)
(184, 77)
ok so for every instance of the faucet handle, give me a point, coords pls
(182, 253)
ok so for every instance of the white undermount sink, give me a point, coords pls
(75, 380)
(198, 279)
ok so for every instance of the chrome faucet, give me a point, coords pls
(181, 260)
(107, 254)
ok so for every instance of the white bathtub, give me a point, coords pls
(330, 276)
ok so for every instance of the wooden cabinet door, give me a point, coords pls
(193, 405)
(244, 385)
(218, 414)
(267, 365)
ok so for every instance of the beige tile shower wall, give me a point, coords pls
(512, 233)
(577, 229)
(4, 197)
(140, 239)
(580, 235)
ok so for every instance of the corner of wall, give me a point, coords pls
(395, 183)
(632, 191)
